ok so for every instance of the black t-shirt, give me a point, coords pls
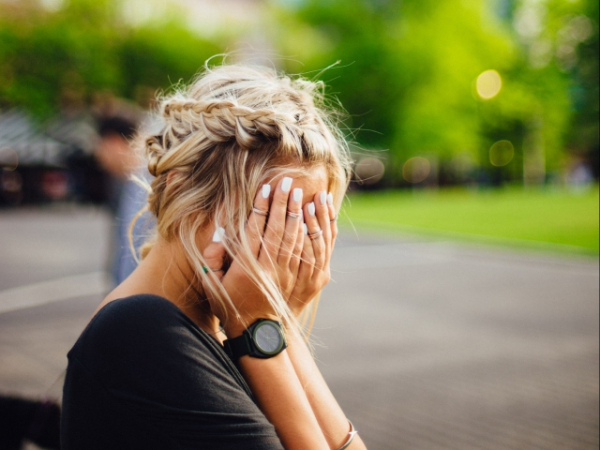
(143, 375)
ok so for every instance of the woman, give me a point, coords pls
(201, 348)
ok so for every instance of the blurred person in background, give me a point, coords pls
(201, 346)
(125, 196)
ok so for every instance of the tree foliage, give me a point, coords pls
(408, 75)
(49, 60)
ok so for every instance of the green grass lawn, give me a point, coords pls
(509, 216)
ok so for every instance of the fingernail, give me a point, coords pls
(266, 190)
(330, 199)
(219, 233)
(286, 184)
(323, 197)
(311, 208)
(297, 195)
(305, 228)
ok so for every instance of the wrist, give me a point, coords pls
(298, 305)
(297, 310)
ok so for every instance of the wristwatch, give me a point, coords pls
(263, 339)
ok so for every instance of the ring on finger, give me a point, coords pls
(260, 212)
(315, 235)
(333, 220)
(294, 215)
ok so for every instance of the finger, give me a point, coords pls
(292, 225)
(314, 235)
(276, 222)
(307, 258)
(332, 220)
(214, 255)
(258, 218)
(322, 212)
(297, 251)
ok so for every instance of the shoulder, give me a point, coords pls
(136, 311)
(136, 332)
(147, 341)
(128, 319)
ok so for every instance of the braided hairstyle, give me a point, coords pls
(232, 130)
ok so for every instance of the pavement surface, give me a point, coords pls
(426, 344)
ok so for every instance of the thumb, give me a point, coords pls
(214, 254)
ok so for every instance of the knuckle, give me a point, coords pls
(271, 251)
(280, 198)
(260, 202)
(276, 228)
(286, 245)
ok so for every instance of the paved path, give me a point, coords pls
(426, 344)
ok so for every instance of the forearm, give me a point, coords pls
(283, 401)
(332, 420)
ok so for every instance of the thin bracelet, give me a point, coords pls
(351, 435)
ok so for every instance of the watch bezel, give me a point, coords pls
(256, 328)
(246, 343)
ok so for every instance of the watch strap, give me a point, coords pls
(237, 347)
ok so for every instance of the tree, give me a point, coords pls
(53, 59)
(409, 70)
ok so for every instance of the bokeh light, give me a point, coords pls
(416, 169)
(489, 84)
(9, 160)
(369, 170)
(501, 153)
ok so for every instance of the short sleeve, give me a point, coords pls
(153, 362)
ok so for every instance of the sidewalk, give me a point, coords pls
(426, 344)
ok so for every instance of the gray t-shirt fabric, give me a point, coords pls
(143, 375)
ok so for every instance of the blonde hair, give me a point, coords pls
(232, 130)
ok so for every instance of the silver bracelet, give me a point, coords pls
(351, 435)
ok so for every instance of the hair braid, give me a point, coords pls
(154, 152)
(222, 120)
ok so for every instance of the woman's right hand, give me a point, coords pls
(314, 271)
(276, 241)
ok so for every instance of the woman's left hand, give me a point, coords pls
(314, 270)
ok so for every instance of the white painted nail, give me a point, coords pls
(266, 191)
(305, 228)
(323, 197)
(219, 233)
(298, 195)
(330, 199)
(286, 184)
(311, 208)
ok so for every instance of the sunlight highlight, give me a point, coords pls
(489, 84)
(501, 153)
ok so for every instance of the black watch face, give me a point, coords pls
(268, 338)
